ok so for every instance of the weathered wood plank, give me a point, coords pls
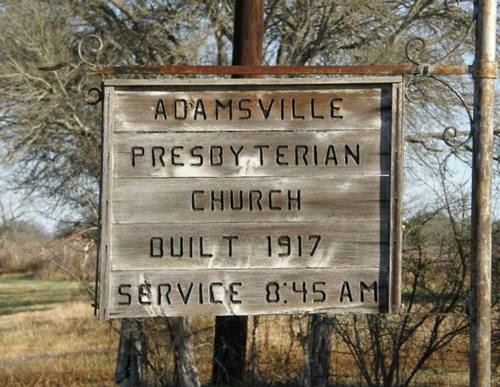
(254, 199)
(105, 211)
(260, 291)
(250, 245)
(321, 153)
(396, 234)
(198, 200)
(333, 107)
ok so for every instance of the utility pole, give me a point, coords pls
(484, 93)
(231, 331)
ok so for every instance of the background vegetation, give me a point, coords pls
(50, 140)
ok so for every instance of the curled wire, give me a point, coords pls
(450, 134)
(93, 44)
(91, 93)
(94, 96)
(414, 91)
(416, 50)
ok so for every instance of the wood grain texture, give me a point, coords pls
(252, 292)
(354, 207)
(170, 200)
(341, 244)
(318, 153)
(105, 204)
(396, 234)
(360, 107)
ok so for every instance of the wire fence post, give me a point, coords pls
(484, 92)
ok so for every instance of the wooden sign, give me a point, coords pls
(253, 196)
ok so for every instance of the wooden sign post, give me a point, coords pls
(242, 197)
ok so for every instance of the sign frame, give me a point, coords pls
(110, 89)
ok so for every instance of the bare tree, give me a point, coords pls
(186, 374)
(51, 136)
(388, 350)
(131, 362)
(317, 351)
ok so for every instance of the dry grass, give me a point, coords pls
(62, 344)
(49, 337)
(26, 292)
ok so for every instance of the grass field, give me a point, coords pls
(26, 293)
(49, 336)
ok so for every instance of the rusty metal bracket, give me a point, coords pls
(424, 69)
(414, 93)
(485, 69)
(399, 69)
(416, 52)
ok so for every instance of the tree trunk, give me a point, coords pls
(186, 372)
(254, 361)
(131, 363)
(229, 350)
(317, 352)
